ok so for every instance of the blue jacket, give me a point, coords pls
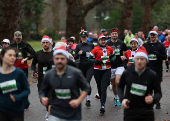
(89, 39)
(161, 38)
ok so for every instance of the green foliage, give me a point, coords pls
(161, 14)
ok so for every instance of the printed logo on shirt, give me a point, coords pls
(104, 58)
(63, 93)
(131, 60)
(44, 70)
(138, 89)
(117, 51)
(152, 57)
(19, 55)
(8, 86)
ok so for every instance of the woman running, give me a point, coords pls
(14, 88)
(82, 52)
(102, 55)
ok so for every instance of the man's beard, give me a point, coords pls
(115, 38)
(61, 67)
(46, 48)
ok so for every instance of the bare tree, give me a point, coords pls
(76, 12)
(9, 18)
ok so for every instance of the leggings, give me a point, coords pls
(167, 64)
(102, 78)
(87, 70)
(10, 117)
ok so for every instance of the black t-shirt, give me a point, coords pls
(118, 47)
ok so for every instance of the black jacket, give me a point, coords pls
(157, 49)
(147, 79)
(25, 48)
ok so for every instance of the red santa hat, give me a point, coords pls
(134, 39)
(153, 31)
(82, 30)
(141, 52)
(101, 36)
(90, 33)
(45, 37)
(60, 50)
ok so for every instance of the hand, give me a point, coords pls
(122, 58)
(36, 75)
(149, 99)
(156, 53)
(23, 60)
(124, 103)
(80, 52)
(12, 97)
(44, 101)
(99, 62)
(74, 103)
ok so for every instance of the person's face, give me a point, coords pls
(63, 39)
(95, 36)
(134, 45)
(91, 35)
(60, 61)
(9, 57)
(51, 42)
(136, 36)
(46, 44)
(140, 34)
(153, 37)
(105, 33)
(169, 38)
(4, 44)
(125, 32)
(70, 43)
(103, 41)
(129, 32)
(18, 40)
(159, 32)
(140, 63)
(114, 35)
(84, 39)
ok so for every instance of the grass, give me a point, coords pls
(36, 45)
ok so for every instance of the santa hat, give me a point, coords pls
(61, 50)
(141, 52)
(90, 33)
(82, 30)
(134, 39)
(101, 36)
(155, 27)
(45, 37)
(153, 31)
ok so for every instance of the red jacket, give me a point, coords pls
(129, 56)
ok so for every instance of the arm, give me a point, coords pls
(161, 55)
(91, 59)
(34, 62)
(25, 88)
(76, 56)
(31, 51)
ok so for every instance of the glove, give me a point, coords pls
(99, 62)
(156, 53)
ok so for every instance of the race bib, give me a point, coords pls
(94, 43)
(138, 89)
(8, 86)
(53, 66)
(117, 51)
(104, 58)
(63, 93)
(152, 57)
(44, 69)
(87, 54)
(131, 60)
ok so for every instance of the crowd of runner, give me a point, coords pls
(65, 70)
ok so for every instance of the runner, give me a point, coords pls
(116, 66)
(90, 36)
(23, 49)
(14, 88)
(104, 32)
(129, 54)
(127, 39)
(64, 82)
(5, 43)
(161, 37)
(82, 52)
(71, 46)
(140, 81)
(101, 55)
(157, 54)
(95, 40)
(63, 39)
(167, 44)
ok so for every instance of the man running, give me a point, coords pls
(167, 44)
(64, 83)
(116, 66)
(5, 43)
(140, 81)
(157, 53)
(127, 39)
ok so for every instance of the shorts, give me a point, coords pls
(118, 70)
(53, 118)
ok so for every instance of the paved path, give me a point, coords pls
(37, 112)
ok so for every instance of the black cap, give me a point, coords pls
(103, 30)
(70, 40)
(84, 34)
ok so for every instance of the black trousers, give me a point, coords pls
(87, 70)
(40, 81)
(9, 117)
(26, 71)
(102, 78)
(167, 64)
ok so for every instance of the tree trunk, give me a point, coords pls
(56, 14)
(125, 21)
(76, 13)
(145, 26)
(9, 18)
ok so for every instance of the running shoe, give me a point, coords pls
(158, 106)
(110, 86)
(118, 102)
(102, 110)
(167, 70)
(88, 103)
(97, 96)
(115, 102)
(46, 119)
